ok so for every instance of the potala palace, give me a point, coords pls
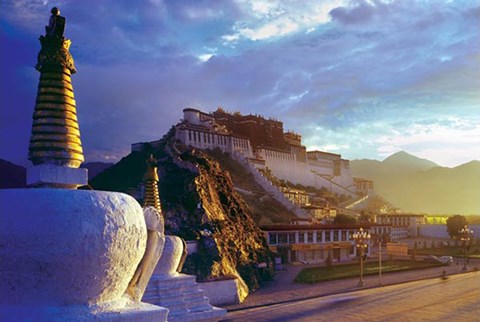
(264, 144)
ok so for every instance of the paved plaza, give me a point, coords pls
(284, 289)
(454, 299)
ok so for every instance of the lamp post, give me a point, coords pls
(465, 235)
(361, 239)
(380, 263)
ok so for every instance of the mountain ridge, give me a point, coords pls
(420, 185)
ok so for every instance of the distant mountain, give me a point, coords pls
(95, 168)
(11, 175)
(405, 161)
(419, 185)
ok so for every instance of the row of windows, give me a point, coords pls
(240, 143)
(399, 233)
(309, 237)
(207, 138)
(279, 155)
(396, 221)
(382, 230)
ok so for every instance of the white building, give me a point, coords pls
(313, 243)
(403, 225)
(281, 152)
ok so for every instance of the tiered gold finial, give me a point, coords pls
(152, 197)
(55, 135)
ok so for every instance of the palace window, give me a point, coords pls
(291, 238)
(310, 237)
(301, 237)
(327, 236)
(272, 239)
(282, 238)
(351, 250)
(319, 236)
(335, 235)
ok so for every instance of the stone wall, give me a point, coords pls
(440, 231)
(269, 187)
(221, 292)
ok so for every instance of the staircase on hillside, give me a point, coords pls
(333, 186)
(270, 186)
(352, 204)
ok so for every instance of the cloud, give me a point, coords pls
(343, 81)
(361, 13)
(273, 19)
(448, 140)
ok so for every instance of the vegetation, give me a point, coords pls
(365, 218)
(454, 224)
(449, 251)
(322, 193)
(344, 219)
(376, 204)
(322, 274)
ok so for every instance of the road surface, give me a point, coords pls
(454, 299)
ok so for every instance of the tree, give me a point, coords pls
(365, 218)
(375, 204)
(344, 219)
(454, 224)
(328, 262)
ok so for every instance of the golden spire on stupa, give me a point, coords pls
(150, 179)
(55, 135)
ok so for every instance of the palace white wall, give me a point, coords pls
(320, 172)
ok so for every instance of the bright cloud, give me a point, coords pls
(269, 19)
(448, 143)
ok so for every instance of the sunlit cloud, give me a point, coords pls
(447, 143)
(274, 19)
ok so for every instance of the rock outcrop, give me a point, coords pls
(199, 203)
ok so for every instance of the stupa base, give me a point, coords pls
(121, 312)
(55, 176)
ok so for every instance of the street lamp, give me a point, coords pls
(361, 239)
(465, 236)
(380, 262)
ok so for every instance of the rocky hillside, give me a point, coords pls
(200, 203)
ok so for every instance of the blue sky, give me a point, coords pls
(361, 78)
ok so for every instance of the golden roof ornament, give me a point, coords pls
(55, 135)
